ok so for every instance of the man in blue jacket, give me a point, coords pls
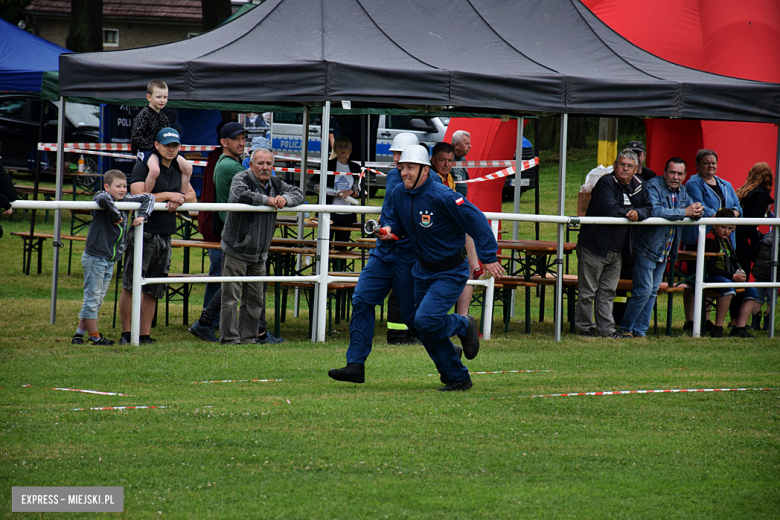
(654, 246)
(389, 267)
(600, 247)
(436, 219)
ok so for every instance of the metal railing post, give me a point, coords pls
(698, 292)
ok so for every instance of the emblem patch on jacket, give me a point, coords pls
(425, 219)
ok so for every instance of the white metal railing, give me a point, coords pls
(322, 278)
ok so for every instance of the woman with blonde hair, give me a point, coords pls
(755, 198)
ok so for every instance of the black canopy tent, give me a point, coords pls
(479, 56)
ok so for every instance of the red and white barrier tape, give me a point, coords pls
(503, 173)
(120, 408)
(90, 391)
(505, 372)
(621, 392)
(238, 381)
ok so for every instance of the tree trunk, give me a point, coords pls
(86, 26)
(215, 12)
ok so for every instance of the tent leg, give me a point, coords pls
(772, 303)
(561, 229)
(58, 213)
(302, 183)
(323, 233)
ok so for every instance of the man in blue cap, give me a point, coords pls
(157, 234)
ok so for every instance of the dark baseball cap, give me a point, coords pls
(167, 136)
(232, 130)
(637, 146)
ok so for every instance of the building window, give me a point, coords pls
(110, 37)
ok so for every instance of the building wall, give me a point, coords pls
(131, 34)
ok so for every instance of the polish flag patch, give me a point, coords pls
(459, 201)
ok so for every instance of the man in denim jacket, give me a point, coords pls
(654, 246)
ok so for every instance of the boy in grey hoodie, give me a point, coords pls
(105, 244)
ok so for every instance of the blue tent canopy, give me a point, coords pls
(24, 58)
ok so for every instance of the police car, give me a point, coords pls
(286, 136)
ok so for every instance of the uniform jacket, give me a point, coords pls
(247, 235)
(609, 198)
(651, 240)
(436, 219)
(106, 239)
(699, 192)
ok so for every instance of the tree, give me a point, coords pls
(215, 12)
(86, 26)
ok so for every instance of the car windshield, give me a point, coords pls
(83, 115)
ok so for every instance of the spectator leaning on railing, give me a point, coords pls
(655, 246)
(600, 247)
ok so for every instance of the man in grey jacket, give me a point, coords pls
(245, 242)
(656, 245)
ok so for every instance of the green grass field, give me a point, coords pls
(308, 447)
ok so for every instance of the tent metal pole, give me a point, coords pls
(58, 213)
(773, 277)
(323, 232)
(536, 174)
(516, 206)
(304, 163)
(561, 228)
(518, 175)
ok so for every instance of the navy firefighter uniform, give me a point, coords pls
(389, 266)
(436, 219)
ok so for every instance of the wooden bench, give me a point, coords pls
(35, 244)
(504, 285)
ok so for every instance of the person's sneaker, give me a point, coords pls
(101, 341)
(78, 339)
(628, 335)
(124, 339)
(590, 333)
(269, 339)
(688, 326)
(203, 332)
(353, 372)
(716, 332)
(456, 386)
(740, 332)
(710, 326)
(459, 350)
(617, 335)
(470, 340)
(146, 340)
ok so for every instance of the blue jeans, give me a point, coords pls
(648, 275)
(434, 296)
(97, 279)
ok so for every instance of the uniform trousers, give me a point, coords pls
(383, 271)
(435, 294)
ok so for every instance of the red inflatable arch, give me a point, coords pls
(740, 39)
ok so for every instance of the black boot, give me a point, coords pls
(756, 324)
(353, 372)
(765, 328)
